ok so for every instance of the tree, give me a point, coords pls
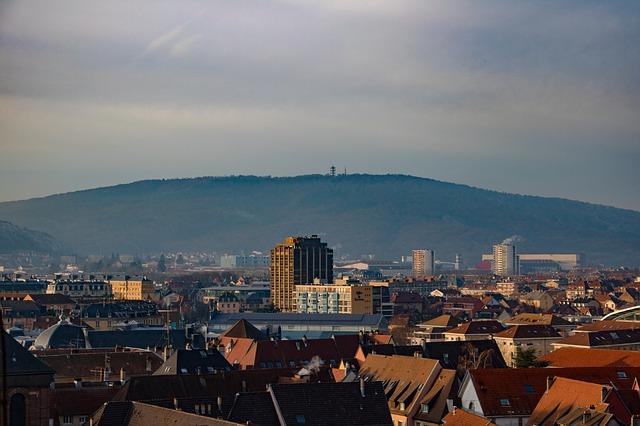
(525, 358)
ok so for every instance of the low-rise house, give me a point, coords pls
(509, 396)
(228, 303)
(540, 300)
(19, 313)
(521, 337)
(464, 307)
(405, 302)
(474, 330)
(417, 389)
(433, 329)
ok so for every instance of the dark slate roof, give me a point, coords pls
(63, 334)
(532, 331)
(254, 407)
(51, 299)
(19, 308)
(450, 353)
(332, 403)
(114, 414)
(185, 361)
(137, 338)
(245, 329)
(19, 361)
(124, 309)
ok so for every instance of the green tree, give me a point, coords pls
(525, 358)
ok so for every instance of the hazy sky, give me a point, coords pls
(528, 97)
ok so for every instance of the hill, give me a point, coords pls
(16, 239)
(357, 214)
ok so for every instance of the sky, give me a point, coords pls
(539, 97)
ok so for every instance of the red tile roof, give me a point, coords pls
(516, 391)
(585, 357)
(461, 417)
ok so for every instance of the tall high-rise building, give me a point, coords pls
(423, 262)
(298, 260)
(505, 260)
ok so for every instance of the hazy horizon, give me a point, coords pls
(538, 98)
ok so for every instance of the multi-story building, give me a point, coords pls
(238, 261)
(132, 288)
(505, 260)
(334, 299)
(252, 297)
(540, 262)
(423, 262)
(81, 289)
(298, 260)
(536, 337)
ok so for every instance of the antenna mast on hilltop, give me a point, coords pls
(332, 171)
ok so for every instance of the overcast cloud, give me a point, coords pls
(528, 97)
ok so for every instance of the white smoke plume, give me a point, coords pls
(513, 239)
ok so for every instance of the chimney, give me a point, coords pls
(175, 404)
(148, 364)
(605, 392)
(417, 354)
(123, 375)
(244, 386)
(362, 393)
(78, 383)
(164, 353)
(220, 405)
(550, 380)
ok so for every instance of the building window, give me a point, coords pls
(82, 419)
(18, 410)
(424, 408)
(67, 420)
(505, 402)
(528, 388)
(622, 375)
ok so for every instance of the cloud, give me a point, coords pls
(544, 94)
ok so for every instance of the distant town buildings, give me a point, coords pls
(298, 260)
(233, 261)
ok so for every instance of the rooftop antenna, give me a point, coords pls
(345, 171)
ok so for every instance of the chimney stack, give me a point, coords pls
(123, 375)
(220, 406)
(362, 393)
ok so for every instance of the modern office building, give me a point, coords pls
(505, 260)
(298, 260)
(423, 262)
(334, 299)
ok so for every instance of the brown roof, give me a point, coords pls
(140, 414)
(608, 325)
(50, 299)
(585, 357)
(564, 396)
(244, 329)
(516, 391)
(461, 417)
(80, 402)
(405, 378)
(442, 321)
(87, 366)
(478, 327)
(602, 338)
(587, 417)
(529, 332)
(543, 319)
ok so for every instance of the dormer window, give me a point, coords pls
(505, 402)
(622, 374)
(424, 408)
